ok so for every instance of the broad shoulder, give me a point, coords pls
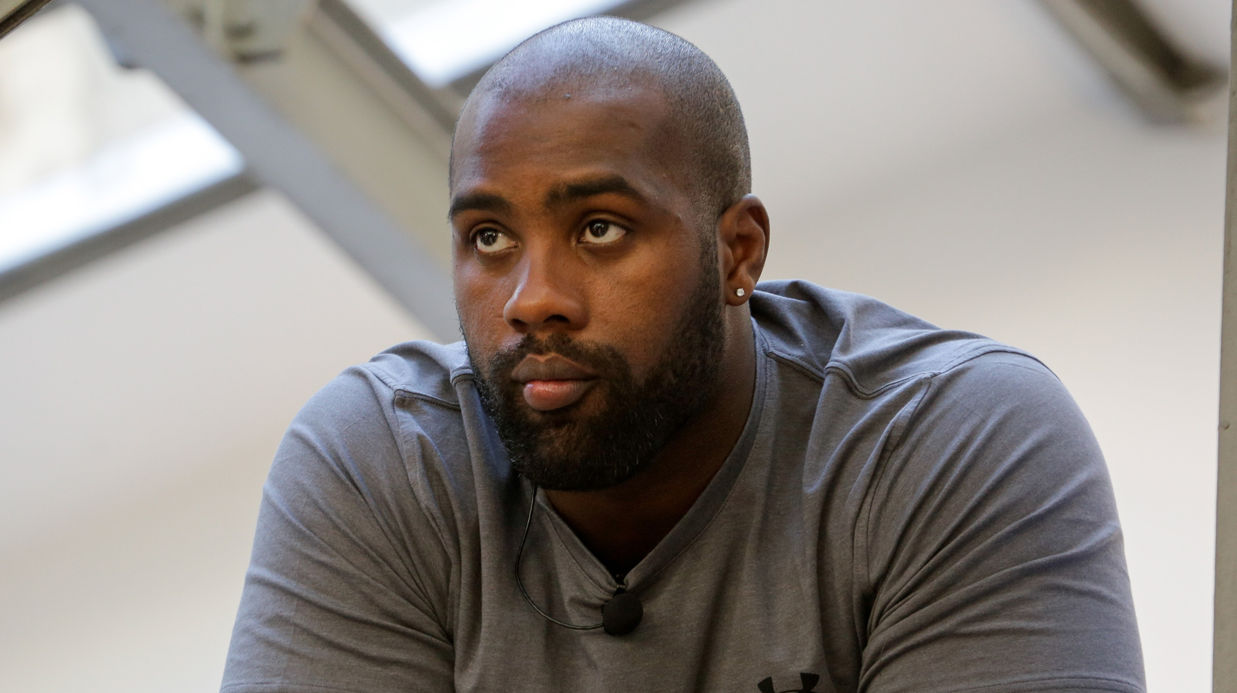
(421, 369)
(375, 406)
(871, 344)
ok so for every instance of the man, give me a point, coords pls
(641, 472)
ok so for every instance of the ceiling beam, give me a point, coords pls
(95, 246)
(14, 12)
(341, 138)
(1167, 83)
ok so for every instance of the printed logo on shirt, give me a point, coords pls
(807, 683)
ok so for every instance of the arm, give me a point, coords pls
(348, 581)
(994, 553)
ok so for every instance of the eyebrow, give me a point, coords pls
(571, 192)
(559, 196)
(482, 202)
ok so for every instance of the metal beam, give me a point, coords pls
(308, 123)
(14, 12)
(48, 266)
(430, 111)
(1224, 649)
(1159, 76)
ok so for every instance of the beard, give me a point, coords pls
(570, 450)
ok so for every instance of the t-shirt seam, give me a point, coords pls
(460, 374)
(1113, 684)
(383, 376)
(392, 382)
(401, 393)
(396, 429)
(891, 447)
(843, 369)
(903, 424)
(764, 391)
(555, 521)
(994, 348)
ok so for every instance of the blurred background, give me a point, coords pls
(210, 208)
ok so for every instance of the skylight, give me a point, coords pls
(87, 145)
(445, 40)
(122, 181)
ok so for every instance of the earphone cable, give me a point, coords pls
(519, 556)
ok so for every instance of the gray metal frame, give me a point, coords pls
(284, 114)
(1224, 649)
(93, 247)
(292, 140)
(1158, 75)
(14, 12)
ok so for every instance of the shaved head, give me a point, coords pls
(608, 54)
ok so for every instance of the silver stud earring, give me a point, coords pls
(740, 292)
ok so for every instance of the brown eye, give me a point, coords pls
(601, 232)
(489, 241)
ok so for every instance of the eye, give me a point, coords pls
(489, 241)
(601, 232)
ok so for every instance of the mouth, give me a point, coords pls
(551, 382)
(551, 395)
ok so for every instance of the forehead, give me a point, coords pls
(564, 128)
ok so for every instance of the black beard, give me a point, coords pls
(558, 451)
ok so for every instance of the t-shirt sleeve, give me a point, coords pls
(348, 580)
(994, 555)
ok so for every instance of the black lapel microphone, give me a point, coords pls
(619, 615)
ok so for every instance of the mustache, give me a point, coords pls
(604, 360)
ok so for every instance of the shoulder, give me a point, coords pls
(419, 369)
(363, 399)
(352, 539)
(376, 450)
(377, 432)
(870, 344)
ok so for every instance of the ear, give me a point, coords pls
(742, 244)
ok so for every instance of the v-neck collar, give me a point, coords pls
(698, 516)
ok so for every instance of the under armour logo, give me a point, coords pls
(806, 680)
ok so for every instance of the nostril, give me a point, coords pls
(544, 298)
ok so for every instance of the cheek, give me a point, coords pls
(644, 314)
(479, 302)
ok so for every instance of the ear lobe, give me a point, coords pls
(743, 243)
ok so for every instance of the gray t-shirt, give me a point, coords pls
(907, 509)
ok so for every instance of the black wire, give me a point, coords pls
(520, 556)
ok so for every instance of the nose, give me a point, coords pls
(546, 297)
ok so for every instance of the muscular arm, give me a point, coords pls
(994, 553)
(346, 590)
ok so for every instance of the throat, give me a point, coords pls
(618, 534)
(620, 525)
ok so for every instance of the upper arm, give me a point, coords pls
(995, 557)
(346, 587)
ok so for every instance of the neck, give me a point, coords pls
(621, 524)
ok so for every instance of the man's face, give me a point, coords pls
(587, 293)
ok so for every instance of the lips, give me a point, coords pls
(552, 382)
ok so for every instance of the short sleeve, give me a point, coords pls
(994, 554)
(347, 584)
